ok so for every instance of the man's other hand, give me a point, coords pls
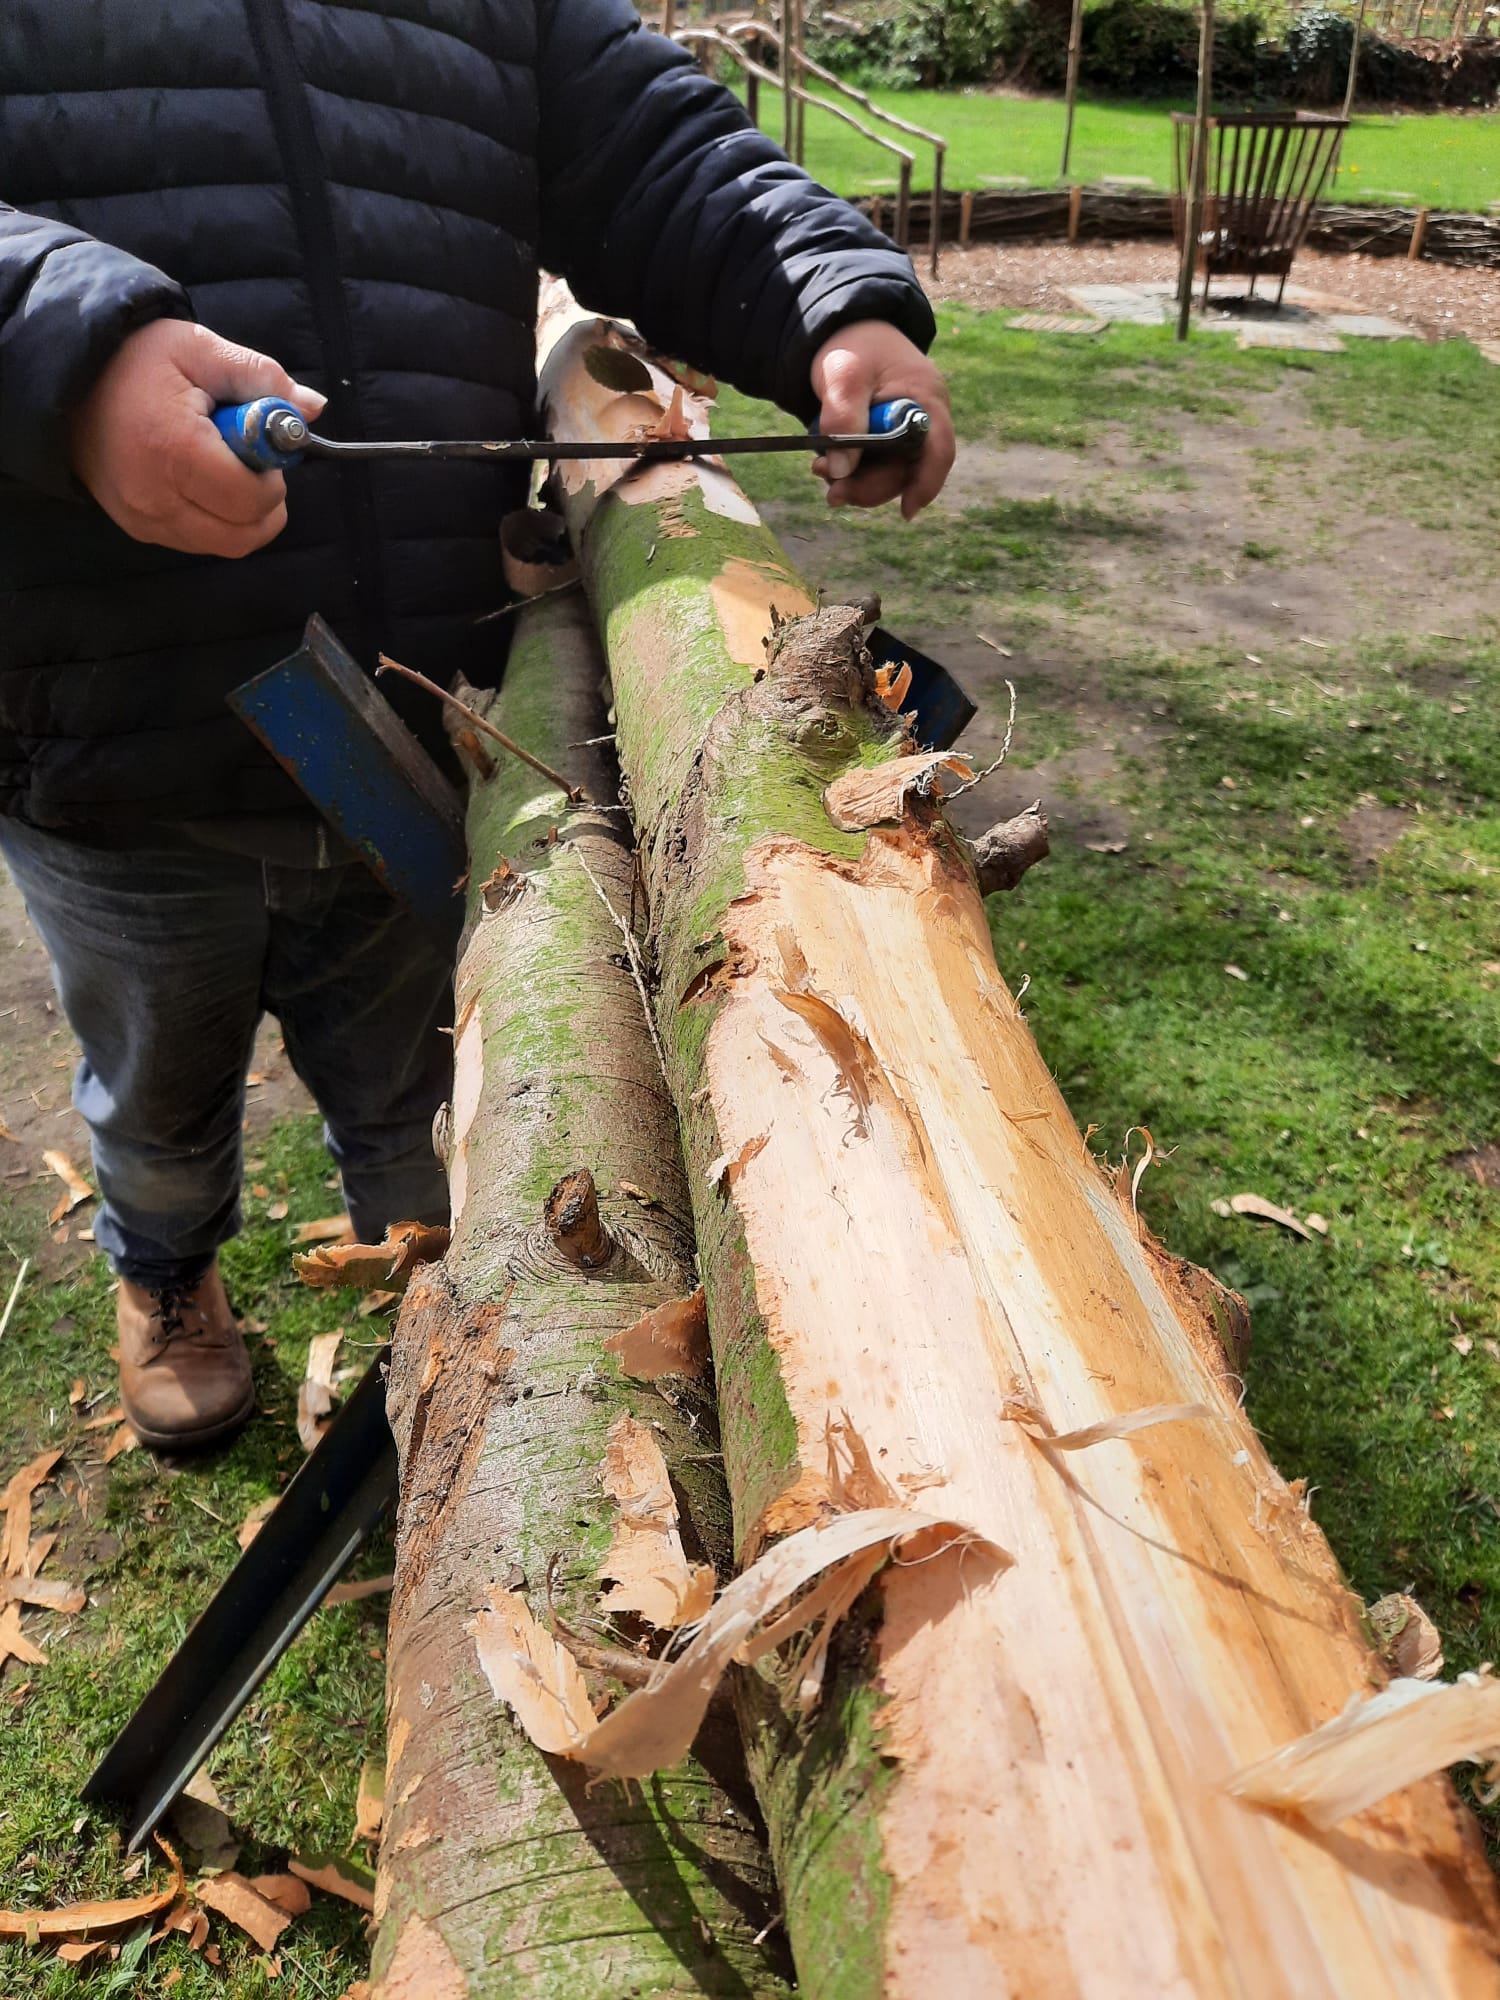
(144, 447)
(867, 363)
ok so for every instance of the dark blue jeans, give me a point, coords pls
(165, 957)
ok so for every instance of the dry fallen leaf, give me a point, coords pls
(6, 1133)
(77, 1393)
(645, 1565)
(75, 1952)
(277, 1212)
(232, 1896)
(315, 1395)
(77, 1188)
(1407, 1637)
(79, 1919)
(369, 1806)
(1111, 847)
(41, 1545)
(256, 1519)
(16, 1500)
(1236, 972)
(106, 1419)
(1267, 1211)
(671, 1340)
(337, 1878)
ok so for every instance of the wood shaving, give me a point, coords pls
(672, 1339)
(1125, 1425)
(1407, 1732)
(315, 1394)
(1261, 1210)
(73, 1920)
(646, 1567)
(384, 1267)
(534, 1673)
(327, 1229)
(77, 1189)
(231, 1896)
(872, 797)
(16, 1501)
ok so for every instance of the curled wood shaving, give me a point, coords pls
(1267, 1211)
(385, 1267)
(534, 1673)
(872, 796)
(1125, 1425)
(77, 1188)
(646, 1566)
(78, 1920)
(654, 1728)
(1405, 1733)
(891, 685)
(123, 1440)
(671, 1339)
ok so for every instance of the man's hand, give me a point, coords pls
(867, 363)
(144, 447)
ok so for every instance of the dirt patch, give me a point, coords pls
(1480, 1163)
(37, 1058)
(1372, 830)
(1437, 301)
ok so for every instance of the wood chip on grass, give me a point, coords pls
(315, 1395)
(85, 1920)
(76, 1188)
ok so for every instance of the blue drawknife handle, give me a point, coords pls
(271, 435)
(254, 432)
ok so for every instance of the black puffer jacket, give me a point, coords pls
(362, 189)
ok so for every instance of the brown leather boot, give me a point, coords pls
(184, 1373)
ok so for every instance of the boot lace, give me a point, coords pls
(172, 1303)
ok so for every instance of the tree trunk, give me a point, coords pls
(501, 1872)
(917, 1278)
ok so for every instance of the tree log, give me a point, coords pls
(920, 1281)
(501, 1871)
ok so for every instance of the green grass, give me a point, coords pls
(151, 1549)
(1438, 159)
(1360, 1058)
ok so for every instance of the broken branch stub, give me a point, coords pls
(571, 1213)
(1011, 847)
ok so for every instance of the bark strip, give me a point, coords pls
(917, 1276)
(501, 1871)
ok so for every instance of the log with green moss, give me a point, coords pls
(921, 1285)
(502, 1872)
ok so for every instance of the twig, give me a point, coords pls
(520, 603)
(15, 1293)
(993, 644)
(576, 794)
(203, 1507)
(979, 778)
(637, 970)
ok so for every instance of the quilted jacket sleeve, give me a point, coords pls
(661, 202)
(66, 303)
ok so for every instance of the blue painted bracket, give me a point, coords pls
(345, 747)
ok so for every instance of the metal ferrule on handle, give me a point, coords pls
(271, 435)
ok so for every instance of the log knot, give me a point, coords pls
(571, 1215)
